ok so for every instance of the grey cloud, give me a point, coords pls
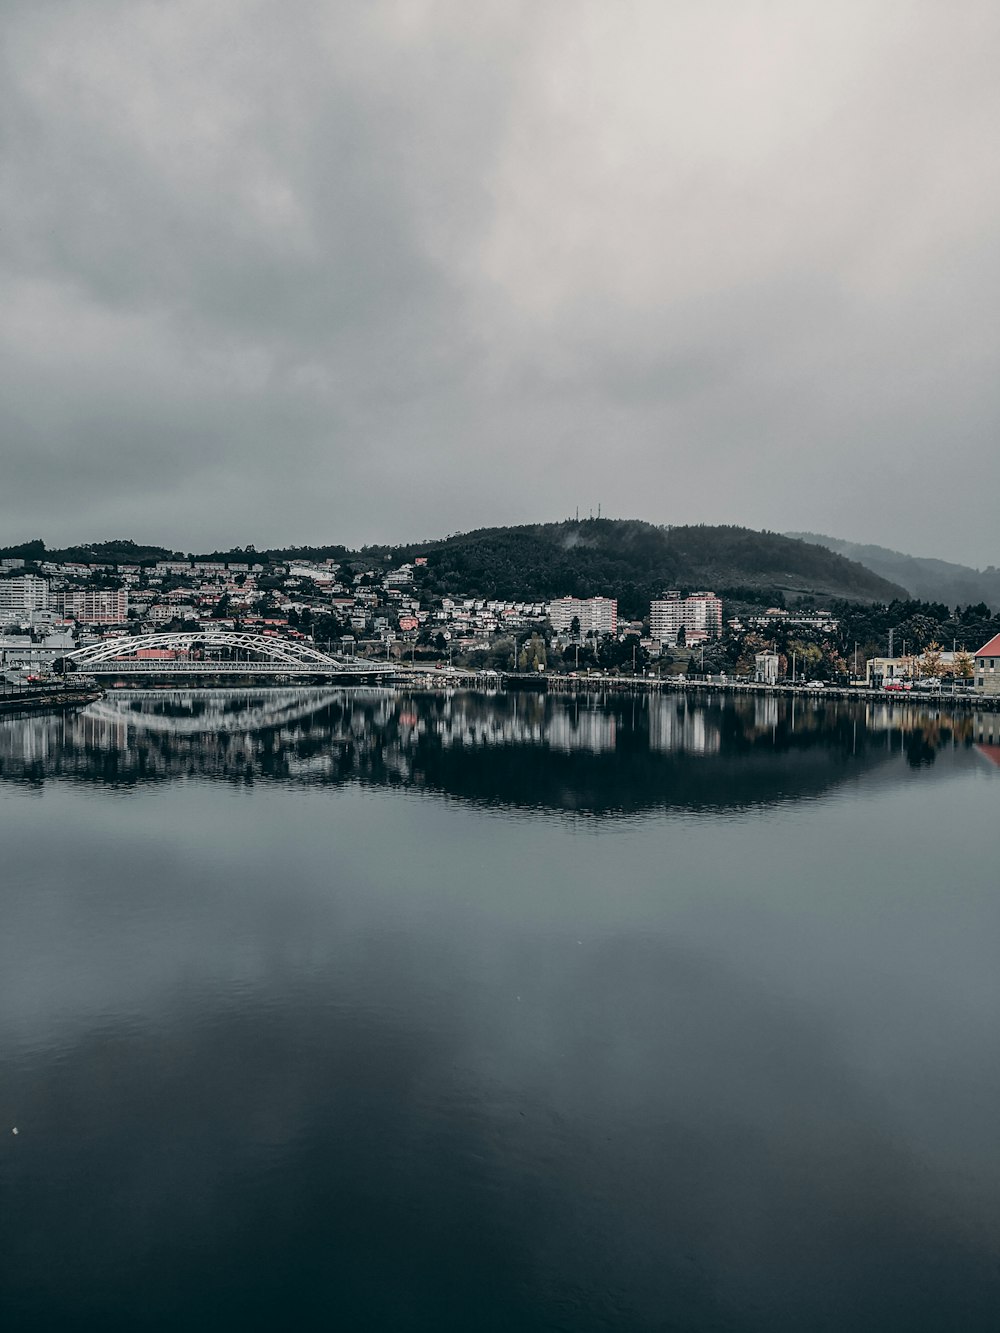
(279, 273)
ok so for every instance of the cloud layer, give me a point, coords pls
(338, 272)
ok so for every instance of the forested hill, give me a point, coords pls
(636, 561)
(922, 577)
(622, 558)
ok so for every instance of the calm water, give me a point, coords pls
(357, 1011)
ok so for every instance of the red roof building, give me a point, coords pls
(988, 667)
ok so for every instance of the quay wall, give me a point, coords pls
(32, 701)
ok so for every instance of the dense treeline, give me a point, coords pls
(635, 562)
(915, 625)
(119, 552)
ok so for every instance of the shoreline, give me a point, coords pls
(34, 701)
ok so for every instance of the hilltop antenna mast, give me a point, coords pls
(598, 511)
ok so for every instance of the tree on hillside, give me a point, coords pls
(834, 665)
(808, 656)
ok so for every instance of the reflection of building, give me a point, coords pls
(598, 615)
(700, 614)
(765, 712)
(594, 732)
(675, 726)
(986, 731)
(988, 667)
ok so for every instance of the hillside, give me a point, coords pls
(119, 552)
(623, 558)
(924, 578)
(636, 561)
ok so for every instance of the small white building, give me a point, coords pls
(766, 668)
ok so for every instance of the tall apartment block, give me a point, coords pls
(596, 614)
(701, 611)
(97, 606)
(23, 594)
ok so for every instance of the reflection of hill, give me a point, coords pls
(620, 754)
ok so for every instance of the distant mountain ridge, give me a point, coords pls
(927, 579)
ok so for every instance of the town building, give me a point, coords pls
(23, 594)
(766, 668)
(878, 670)
(700, 613)
(97, 606)
(596, 615)
(987, 659)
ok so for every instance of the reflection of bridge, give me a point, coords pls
(216, 653)
(206, 711)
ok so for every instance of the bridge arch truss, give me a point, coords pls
(199, 652)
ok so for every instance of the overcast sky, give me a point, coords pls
(288, 271)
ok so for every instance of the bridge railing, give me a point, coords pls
(217, 667)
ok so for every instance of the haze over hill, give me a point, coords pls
(925, 578)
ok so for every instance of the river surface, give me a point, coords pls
(371, 1011)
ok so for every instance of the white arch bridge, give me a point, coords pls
(216, 653)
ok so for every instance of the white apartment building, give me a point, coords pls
(598, 615)
(701, 611)
(23, 594)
